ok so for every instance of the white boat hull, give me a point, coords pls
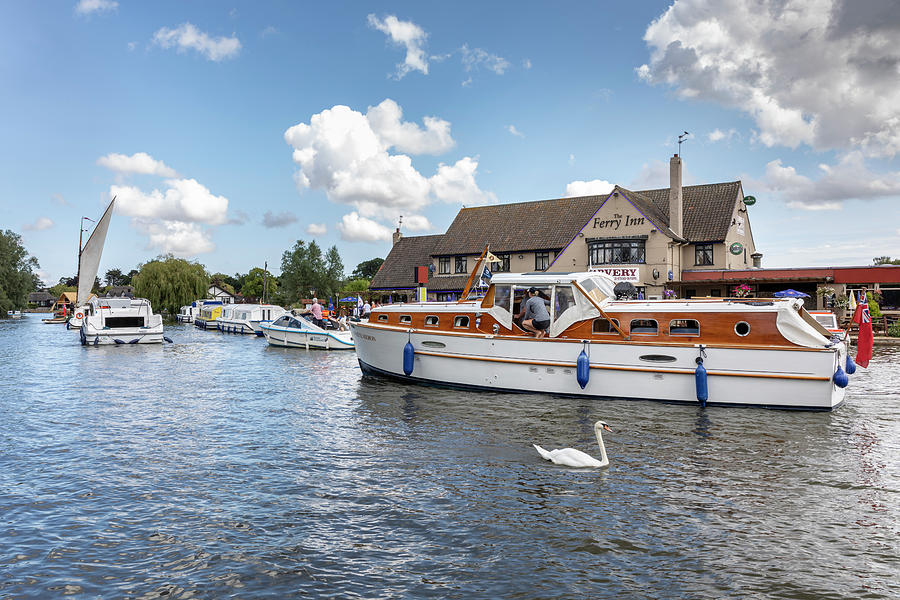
(306, 338)
(184, 318)
(237, 326)
(91, 337)
(736, 376)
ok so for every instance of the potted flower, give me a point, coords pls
(669, 294)
(741, 291)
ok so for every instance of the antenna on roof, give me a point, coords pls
(400, 222)
(681, 139)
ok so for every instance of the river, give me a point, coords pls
(218, 466)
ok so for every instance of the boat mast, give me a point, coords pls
(81, 231)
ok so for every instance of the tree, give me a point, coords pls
(367, 269)
(259, 282)
(886, 260)
(16, 272)
(356, 285)
(301, 269)
(170, 283)
(333, 277)
(222, 280)
(116, 277)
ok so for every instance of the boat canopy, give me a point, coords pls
(799, 328)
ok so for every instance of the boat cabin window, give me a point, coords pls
(283, 321)
(520, 295)
(431, 321)
(604, 326)
(405, 319)
(684, 327)
(502, 296)
(563, 300)
(461, 322)
(645, 326)
(383, 318)
(123, 322)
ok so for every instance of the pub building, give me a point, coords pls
(691, 240)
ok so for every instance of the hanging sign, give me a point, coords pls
(619, 274)
(736, 248)
(749, 200)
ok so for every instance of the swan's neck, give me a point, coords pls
(603, 458)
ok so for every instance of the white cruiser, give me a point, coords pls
(248, 318)
(120, 321)
(300, 332)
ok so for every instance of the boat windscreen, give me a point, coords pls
(115, 322)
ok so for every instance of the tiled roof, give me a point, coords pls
(453, 283)
(544, 224)
(40, 296)
(650, 210)
(398, 270)
(707, 209)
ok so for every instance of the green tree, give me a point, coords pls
(170, 283)
(356, 285)
(885, 260)
(116, 277)
(333, 276)
(223, 281)
(367, 269)
(259, 282)
(17, 278)
(301, 270)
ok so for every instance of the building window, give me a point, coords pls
(689, 293)
(703, 255)
(444, 265)
(716, 292)
(541, 261)
(461, 264)
(445, 296)
(613, 252)
(503, 265)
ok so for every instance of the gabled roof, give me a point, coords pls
(41, 296)
(707, 209)
(649, 209)
(544, 224)
(398, 270)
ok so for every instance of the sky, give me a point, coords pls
(230, 130)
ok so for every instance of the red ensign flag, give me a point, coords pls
(866, 338)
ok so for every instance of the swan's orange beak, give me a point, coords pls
(606, 427)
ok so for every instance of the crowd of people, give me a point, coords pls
(338, 319)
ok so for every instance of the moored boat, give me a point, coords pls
(248, 318)
(299, 332)
(88, 264)
(728, 351)
(187, 314)
(209, 313)
(120, 321)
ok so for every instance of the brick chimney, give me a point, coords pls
(676, 219)
(397, 235)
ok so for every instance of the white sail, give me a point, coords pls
(89, 261)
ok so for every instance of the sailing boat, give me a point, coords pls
(88, 264)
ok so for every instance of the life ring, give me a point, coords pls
(78, 315)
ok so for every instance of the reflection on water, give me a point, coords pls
(220, 466)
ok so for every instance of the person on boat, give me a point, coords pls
(367, 310)
(316, 311)
(535, 313)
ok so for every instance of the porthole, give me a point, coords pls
(405, 319)
(461, 321)
(383, 318)
(431, 321)
(742, 328)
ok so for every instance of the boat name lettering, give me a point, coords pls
(365, 336)
(616, 221)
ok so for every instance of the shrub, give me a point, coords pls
(894, 329)
(874, 309)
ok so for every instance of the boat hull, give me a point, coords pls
(303, 338)
(205, 324)
(238, 326)
(90, 337)
(782, 378)
(184, 318)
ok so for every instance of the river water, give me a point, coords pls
(220, 467)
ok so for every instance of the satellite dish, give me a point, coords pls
(749, 200)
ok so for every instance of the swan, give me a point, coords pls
(571, 457)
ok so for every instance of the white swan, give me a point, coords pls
(571, 457)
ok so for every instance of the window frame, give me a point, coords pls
(633, 332)
(458, 319)
(503, 266)
(611, 251)
(435, 323)
(612, 331)
(704, 252)
(443, 265)
(684, 333)
(544, 257)
(460, 265)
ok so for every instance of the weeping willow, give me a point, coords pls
(170, 283)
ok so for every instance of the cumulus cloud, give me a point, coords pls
(316, 229)
(476, 58)
(282, 219)
(347, 154)
(89, 7)
(655, 174)
(823, 73)
(187, 37)
(849, 179)
(41, 224)
(176, 237)
(512, 129)
(526, 64)
(355, 228)
(717, 135)
(184, 200)
(417, 223)
(596, 187)
(140, 162)
(406, 34)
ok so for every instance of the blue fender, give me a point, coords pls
(118, 341)
(702, 385)
(840, 378)
(168, 340)
(409, 356)
(583, 369)
(851, 366)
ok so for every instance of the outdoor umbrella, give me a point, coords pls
(790, 294)
(347, 299)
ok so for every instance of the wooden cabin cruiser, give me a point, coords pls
(209, 313)
(248, 318)
(300, 332)
(120, 321)
(187, 314)
(724, 351)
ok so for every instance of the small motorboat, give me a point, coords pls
(120, 321)
(14, 314)
(300, 332)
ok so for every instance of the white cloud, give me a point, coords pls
(456, 183)
(417, 223)
(282, 219)
(176, 237)
(571, 159)
(132, 46)
(41, 224)
(526, 64)
(467, 82)
(269, 31)
(385, 121)
(596, 187)
(59, 199)
(87, 7)
(346, 154)
(512, 129)
(355, 228)
(655, 174)
(849, 179)
(408, 35)
(475, 58)
(717, 135)
(140, 162)
(316, 229)
(818, 72)
(187, 37)
(184, 200)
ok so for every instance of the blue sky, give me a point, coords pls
(231, 129)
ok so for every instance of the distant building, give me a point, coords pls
(219, 294)
(120, 291)
(41, 299)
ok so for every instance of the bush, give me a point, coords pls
(874, 309)
(894, 329)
